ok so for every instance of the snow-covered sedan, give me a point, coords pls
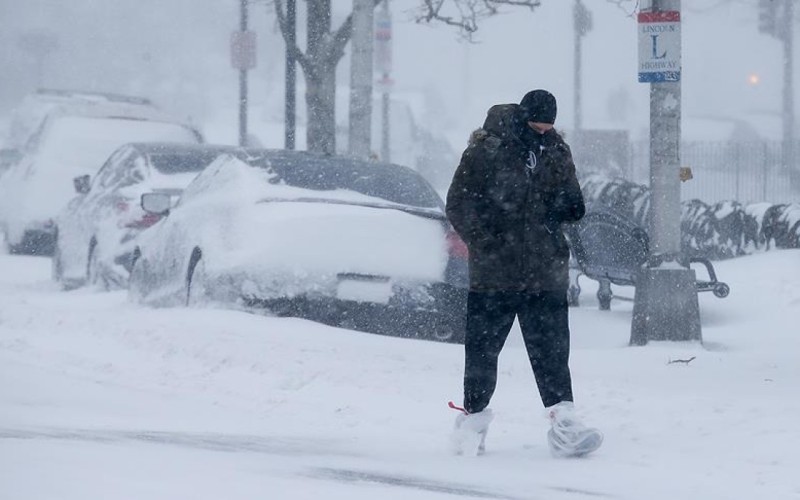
(359, 244)
(95, 232)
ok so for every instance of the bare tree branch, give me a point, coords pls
(465, 14)
(297, 54)
(340, 38)
(335, 44)
(623, 5)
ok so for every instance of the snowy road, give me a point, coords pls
(101, 399)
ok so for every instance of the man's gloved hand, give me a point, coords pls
(552, 139)
(554, 146)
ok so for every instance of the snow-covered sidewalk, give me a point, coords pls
(101, 399)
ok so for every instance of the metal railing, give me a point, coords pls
(747, 172)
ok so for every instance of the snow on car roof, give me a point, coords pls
(320, 172)
(174, 158)
(35, 109)
(81, 144)
(260, 178)
(92, 95)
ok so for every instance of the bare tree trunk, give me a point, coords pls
(291, 75)
(324, 50)
(321, 106)
(360, 139)
(320, 80)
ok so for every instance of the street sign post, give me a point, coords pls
(383, 41)
(383, 65)
(243, 50)
(659, 46)
(582, 23)
(243, 58)
(665, 302)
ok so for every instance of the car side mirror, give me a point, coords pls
(82, 184)
(156, 203)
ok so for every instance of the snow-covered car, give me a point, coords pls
(95, 232)
(39, 186)
(32, 111)
(360, 244)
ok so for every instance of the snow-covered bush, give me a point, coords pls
(720, 231)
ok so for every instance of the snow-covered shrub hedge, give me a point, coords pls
(719, 231)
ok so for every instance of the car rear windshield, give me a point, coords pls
(389, 182)
(179, 162)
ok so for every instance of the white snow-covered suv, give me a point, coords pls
(69, 143)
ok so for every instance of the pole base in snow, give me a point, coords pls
(665, 307)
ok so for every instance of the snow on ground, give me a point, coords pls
(101, 399)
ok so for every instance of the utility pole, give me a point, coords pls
(243, 58)
(789, 153)
(776, 18)
(243, 80)
(361, 79)
(290, 124)
(665, 303)
(582, 22)
(383, 61)
(665, 136)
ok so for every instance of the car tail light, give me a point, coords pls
(456, 246)
(132, 217)
(144, 222)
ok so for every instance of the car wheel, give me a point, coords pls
(196, 293)
(94, 271)
(447, 329)
(56, 266)
(91, 266)
(442, 333)
(137, 279)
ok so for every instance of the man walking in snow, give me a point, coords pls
(512, 191)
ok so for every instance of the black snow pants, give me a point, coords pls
(544, 320)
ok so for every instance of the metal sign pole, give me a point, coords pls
(243, 80)
(789, 153)
(383, 63)
(243, 58)
(291, 76)
(665, 304)
(361, 74)
(582, 21)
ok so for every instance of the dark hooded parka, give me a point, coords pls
(510, 194)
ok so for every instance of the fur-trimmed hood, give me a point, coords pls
(502, 121)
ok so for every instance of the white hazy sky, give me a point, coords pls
(520, 50)
(178, 53)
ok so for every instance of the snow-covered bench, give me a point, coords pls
(611, 250)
